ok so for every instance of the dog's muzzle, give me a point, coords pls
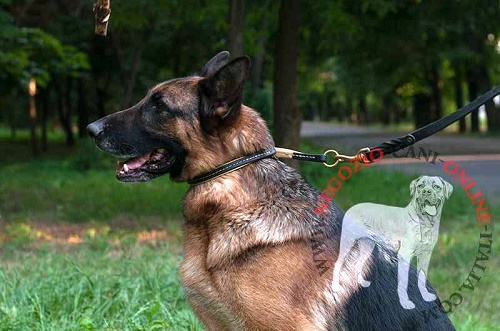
(142, 163)
(428, 202)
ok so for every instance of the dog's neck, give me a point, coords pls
(249, 208)
(247, 134)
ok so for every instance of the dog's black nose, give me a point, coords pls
(94, 129)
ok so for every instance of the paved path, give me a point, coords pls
(480, 157)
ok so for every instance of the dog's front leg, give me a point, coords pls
(207, 315)
(423, 264)
(403, 273)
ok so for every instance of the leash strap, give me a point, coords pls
(399, 143)
(231, 166)
(369, 155)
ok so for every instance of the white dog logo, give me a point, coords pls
(411, 231)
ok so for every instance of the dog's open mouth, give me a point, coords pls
(145, 167)
(430, 207)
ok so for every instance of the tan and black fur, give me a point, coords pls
(248, 261)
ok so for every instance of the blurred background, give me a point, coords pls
(80, 251)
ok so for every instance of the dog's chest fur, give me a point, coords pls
(245, 240)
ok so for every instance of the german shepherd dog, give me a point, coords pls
(248, 261)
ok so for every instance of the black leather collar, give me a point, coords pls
(231, 166)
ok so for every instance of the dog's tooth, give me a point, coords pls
(122, 172)
(125, 167)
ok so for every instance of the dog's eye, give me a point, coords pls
(159, 107)
(157, 103)
(436, 187)
(421, 186)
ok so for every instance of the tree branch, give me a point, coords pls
(102, 12)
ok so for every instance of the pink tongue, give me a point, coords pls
(135, 162)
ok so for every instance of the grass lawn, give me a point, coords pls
(81, 251)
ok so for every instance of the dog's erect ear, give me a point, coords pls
(448, 188)
(222, 92)
(413, 185)
(214, 64)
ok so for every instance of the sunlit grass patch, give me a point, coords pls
(105, 287)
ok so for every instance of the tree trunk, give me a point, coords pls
(287, 116)
(492, 113)
(397, 114)
(257, 65)
(101, 60)
(362, 111)
(129, 93)
(115, 42)
(236, 22)
(64, 97)
(459, 97)
(70, 139)
(100, 104)
(32, 116)
(349, 109)
(13, 125)
(473, 88)
(129, 78)
(260, 52)
(83, 114)
(425, 105)
(421, 106)
(437, 95)
(45, 100)
(492, 116)
(385, 114)
(479, 82)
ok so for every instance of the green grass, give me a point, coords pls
(111, 280)
(81, 188)
(94, 288)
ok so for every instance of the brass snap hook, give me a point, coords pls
(340, 157)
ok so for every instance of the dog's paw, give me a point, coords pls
(407, 304)
(363, 282)
(428, 296)
(336, 287)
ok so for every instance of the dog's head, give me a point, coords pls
(429, 194)
(184, 126)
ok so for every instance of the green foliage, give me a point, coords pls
(33, 53)
(262, 101)
(389, 48)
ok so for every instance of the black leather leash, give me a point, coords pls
(371, 154)
(397, 144)
(365, 155)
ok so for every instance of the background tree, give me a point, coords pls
(235, 39)
(361, 61)
(287, 116)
